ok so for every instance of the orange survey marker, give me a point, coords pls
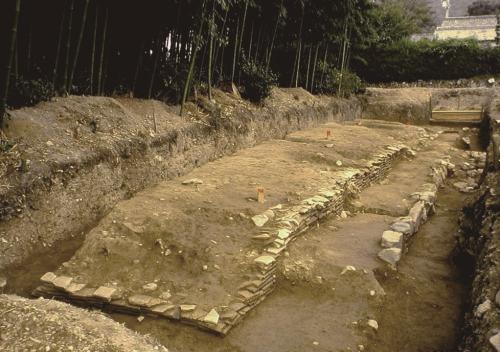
(260, 195)
(328, 134)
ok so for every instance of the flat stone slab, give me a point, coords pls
(265, 260)
(105, 292)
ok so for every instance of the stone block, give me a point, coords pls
(104, 292)
(62, 282)
(265, 260)
(390, 255)
(403, 227)
(392, 239)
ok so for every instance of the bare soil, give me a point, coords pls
(46, 325)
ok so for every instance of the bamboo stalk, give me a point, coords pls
(101, 60)
(94, 40)
(235, 50)
(58, 50)
(78, 45)
(5, 87)
(314, 69)
(268, 60)
(68, 45)
(155, 65)
(308, 66)
(210, 51)
(193, 59)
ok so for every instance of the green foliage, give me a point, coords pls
(407, 61)
(483, 7)
(256, 80)
(332, 79)
(29, 92)
(394, 20)
(171, 81)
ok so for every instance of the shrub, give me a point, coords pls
(407, 61)
(29, 92)
(257, 82)
(351, 83)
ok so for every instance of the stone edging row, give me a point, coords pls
(395, 240)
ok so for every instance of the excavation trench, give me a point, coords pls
(426, 297)
(316, 305)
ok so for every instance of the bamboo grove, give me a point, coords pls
(165, 48)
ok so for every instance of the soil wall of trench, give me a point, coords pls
(479, 242)
(66, 163)
(413, 105)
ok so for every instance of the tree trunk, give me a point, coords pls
(220, 48)
(68, 45)
(58, 51)
(324, 66)
(292, 79)
(268, 59)
(193, 59)
(299, 48)
(94, 40)
(299, 56)
(240, 42)
(28, 52)
(344, 48)
(235, 50)
(155, 65)
(138, 68)
(308, 66)
(101, 60)
(203, 57)
(257, 46)
(16, 60)
(210, 51)
(78, 45)
(314, 69)
(249, 54)
(4, 85)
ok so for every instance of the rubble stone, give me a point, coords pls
(260, 220)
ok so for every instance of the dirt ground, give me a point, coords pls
(47, 325)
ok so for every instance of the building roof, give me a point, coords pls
(482, 28)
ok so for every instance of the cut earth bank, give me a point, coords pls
(322, 174)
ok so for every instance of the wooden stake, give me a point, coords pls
(261, 195)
